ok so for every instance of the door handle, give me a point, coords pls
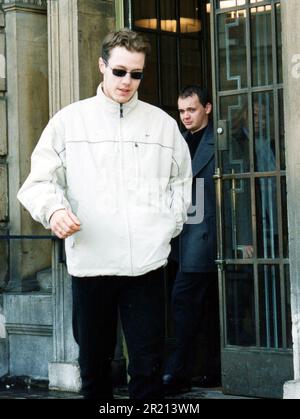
(222, 135)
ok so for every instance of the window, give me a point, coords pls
(177, 31)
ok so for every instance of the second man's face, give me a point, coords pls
(121, 89)
(193, 115)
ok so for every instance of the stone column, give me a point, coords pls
(26, 101)
(24, 108)
(291, 61)
(76, 29)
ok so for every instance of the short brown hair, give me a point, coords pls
(131, 40)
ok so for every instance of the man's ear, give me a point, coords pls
(102, 65)
(208, 108)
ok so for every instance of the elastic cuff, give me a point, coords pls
(52, 210)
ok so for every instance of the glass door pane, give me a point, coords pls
(232, 52)
(240, 309)
(261, 41)
(236, 153)
(237, 226)
(224, 4)
(267, 218)
(270, 307)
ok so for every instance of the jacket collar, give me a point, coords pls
(114, 107)
(205, 151)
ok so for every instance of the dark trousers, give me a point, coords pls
(189, 293)
(140, 301)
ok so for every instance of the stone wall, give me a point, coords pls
(91, 33)
(25, 342)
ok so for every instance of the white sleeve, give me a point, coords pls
(43, 192)
(181, 180)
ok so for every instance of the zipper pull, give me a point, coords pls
(121, 110)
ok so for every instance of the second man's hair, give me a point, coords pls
(194, 89)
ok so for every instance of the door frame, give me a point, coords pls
(251, 371)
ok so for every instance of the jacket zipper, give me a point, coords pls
(124, 186)
(137, 162)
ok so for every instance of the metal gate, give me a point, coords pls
(251, 194)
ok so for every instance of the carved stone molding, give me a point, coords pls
(38, 6)
(40, 3)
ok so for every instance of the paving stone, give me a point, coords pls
(15, 392)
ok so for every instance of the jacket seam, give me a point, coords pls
(123, 141)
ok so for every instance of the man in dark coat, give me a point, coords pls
(195, 249)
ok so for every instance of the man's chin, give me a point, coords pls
(123, 98)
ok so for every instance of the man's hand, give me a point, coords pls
(64, 223)
(248, 252)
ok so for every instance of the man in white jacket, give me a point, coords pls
(112, 176)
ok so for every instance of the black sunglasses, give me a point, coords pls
(118, 72)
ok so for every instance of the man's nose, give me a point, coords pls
(127, 78)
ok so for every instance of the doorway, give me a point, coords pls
(179, 33)
(234, 47)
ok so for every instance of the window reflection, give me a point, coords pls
(267, 218)
(256, 1)
(288, 309)
(285, 234)
(263, 132)
(225, 4)
(279, 42)
(4, 265)
(261, 38)
(232, 51)
(240, 305)
(237, 219)
(270, 306)
(234, 109)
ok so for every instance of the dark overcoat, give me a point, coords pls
(195, 249)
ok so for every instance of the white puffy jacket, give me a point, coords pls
(125, 171)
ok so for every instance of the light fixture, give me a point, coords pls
(187, 25)
(226, 4)
(146, 23)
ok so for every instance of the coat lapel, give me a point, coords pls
(205, 151)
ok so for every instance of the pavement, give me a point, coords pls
(28, 391)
